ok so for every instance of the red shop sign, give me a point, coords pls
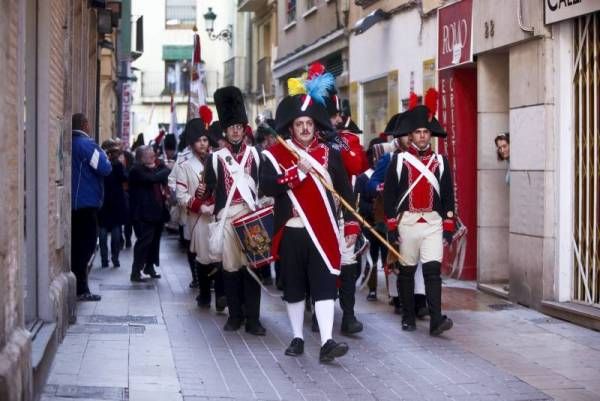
(454, 34)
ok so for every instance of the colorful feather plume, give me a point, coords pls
(315, 69)
(431, 101)
(319, 86)
(413, 100)
(296, 86)
(205, 114)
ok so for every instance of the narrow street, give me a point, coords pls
(150, 342)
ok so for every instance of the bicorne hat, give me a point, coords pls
(292, 107)
(230, 106)
(421, 116)
(196, 129)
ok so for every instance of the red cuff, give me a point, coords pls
(194, 205)
(351, 228)
(392, 224)
(379, 187)
(449, 225)
(290, 177)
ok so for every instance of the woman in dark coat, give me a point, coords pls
(147, 186)
(113, 213)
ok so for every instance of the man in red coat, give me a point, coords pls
(307, 238)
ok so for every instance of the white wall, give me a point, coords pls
(395, 44)
(214, 53)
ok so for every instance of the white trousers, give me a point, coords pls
(421, 242)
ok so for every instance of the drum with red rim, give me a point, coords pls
(255, 232)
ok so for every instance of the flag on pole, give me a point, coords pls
(197, 90)
(173, 123)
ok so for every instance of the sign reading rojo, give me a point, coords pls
(454, 34)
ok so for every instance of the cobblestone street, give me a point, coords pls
(150, 342)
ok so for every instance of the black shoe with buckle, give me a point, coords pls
(296, 347)
(409, 325)
(232, 324)
(372, 296)
(351, 325)
(444, 325)
(331, 350)
(255, 328)
(149, 271)
(88, 297)
(137, 279)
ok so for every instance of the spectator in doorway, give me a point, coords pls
(113, 213)
(147, 183)
(89, 167)
(502, 142)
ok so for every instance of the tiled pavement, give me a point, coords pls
(150, 342)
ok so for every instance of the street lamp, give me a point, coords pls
(225, 34)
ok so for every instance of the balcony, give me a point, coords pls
(233, 72)
(155, 88)
(264, 77)
(251, 5)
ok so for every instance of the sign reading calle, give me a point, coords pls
(559, 10)
(454, 34)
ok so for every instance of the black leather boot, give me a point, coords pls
(252, 304)
(193, 269)
(421, 309)
(232, 282)
(406, 289)
(433, 289)
(220, 298)
(350, 325)
(203, 298)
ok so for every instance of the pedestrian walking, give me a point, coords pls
(231, 178)
(199, 214)
(419, 205)
(89, 167)
(307, 238)
(113, 213)
(147, 186)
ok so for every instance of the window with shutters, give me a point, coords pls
(180, 14)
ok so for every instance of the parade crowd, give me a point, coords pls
(298, 196)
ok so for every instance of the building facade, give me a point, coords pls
(262, 52)
(309, 31)
(164, 67)
(52, 53)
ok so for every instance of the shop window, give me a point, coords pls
(177, 77)
(291, 11)
(375, 107)
(180, 14)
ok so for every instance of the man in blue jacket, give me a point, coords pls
(90, 166)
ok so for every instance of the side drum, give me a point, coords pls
(255, 232)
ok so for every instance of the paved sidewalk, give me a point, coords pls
(150, 342)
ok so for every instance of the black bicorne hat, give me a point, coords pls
(215, 132)
(195, 129)
(170, 142)
(292, 107)
(333, 103)
(419, 117)
(230, 106)
(351, 126)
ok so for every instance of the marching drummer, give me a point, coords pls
(231, 177)
(307, 239)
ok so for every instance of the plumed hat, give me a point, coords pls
(333, 103)
(230, 106)
(292, 107)
(195, 129)
(394, 124)
(351, 126)
(215, 132)
(421, 116)
(170, 142)
(307, 98)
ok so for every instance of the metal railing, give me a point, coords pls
(586, 228)
(154, 85)
(264, 76)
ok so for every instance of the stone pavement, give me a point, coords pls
(150, 342)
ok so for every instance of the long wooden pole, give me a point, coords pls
(348, 206)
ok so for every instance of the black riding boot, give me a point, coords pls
(191, 257)
(220, 298)
(406, 290)
(433, 289)
(252, 304)
(233, 285)
(350, 324)
(203, 298)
